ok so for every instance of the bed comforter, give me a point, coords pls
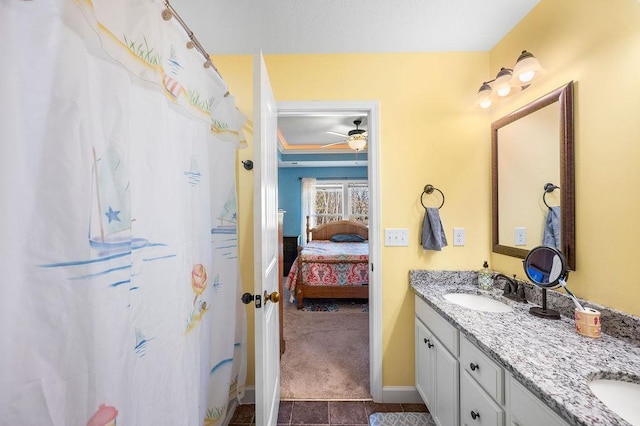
(341, 269)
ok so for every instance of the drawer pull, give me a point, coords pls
(475, 415)
(425, 340)
(429, 344)
(474, 367)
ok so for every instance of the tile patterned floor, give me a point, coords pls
(294, 413)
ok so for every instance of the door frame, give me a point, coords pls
(371, 109)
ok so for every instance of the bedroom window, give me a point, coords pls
(341, 200)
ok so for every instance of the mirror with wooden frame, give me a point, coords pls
(532, 148)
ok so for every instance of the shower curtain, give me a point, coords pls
(119, 281)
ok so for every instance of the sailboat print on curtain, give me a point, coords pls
(228, 217)
(193, 175)
(170, 79)
(110, 221)
(110, 233)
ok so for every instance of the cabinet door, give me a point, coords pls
(424, 364)
(525, 409)
(446, 386)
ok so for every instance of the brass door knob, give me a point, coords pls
(273, 297)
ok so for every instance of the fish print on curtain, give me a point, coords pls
(125, 260)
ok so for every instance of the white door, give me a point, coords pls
(265, 228)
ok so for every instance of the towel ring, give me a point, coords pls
(428, 189)
(548, 187)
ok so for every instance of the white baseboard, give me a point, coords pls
(401, 395)
(390, 395)
(249, 396)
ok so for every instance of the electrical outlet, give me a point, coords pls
(398, 237)
(458, 236)
(520, 236)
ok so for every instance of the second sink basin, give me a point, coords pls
(620, 396)
(478, 302)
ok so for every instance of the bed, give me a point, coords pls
(326, 268)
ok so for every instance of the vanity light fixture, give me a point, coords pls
(509, 81)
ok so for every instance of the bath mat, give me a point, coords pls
(319, 305)
(401, 419)
(334, 305)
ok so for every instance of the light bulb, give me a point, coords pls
(483, 98)
(504, 91)
(527, 76)
(502, 82)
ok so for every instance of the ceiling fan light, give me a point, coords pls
(357, 142)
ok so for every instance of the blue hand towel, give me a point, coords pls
(551, 235)
(433, 237)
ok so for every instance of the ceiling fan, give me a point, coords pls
(356, 138)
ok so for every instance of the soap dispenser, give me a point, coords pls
(485, 277)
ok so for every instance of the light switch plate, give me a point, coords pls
(398, 237)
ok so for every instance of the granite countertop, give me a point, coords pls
(547, 356)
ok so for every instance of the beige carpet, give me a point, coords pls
(327, 354)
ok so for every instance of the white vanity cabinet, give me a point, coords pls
(436, 367)
(461, 385)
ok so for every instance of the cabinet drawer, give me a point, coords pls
(476, 407)
(483, 369)
(440, 327)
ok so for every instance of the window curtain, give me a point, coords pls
(308, 206)
(119, 281)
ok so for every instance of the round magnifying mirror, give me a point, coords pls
(546, 267)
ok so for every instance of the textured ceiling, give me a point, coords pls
(350, 26)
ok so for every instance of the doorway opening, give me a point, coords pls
(363, 317)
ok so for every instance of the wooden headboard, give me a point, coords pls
(328, 230)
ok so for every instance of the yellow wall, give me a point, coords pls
(429, 134)
(597, 45)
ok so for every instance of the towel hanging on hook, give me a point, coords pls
(551, 235)
(432, 236)
(428, 189)
(548, 187)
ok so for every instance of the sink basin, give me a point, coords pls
(478, 302)
(620, 397)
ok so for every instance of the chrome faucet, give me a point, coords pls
(512, 288)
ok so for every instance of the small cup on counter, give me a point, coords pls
(588, 322)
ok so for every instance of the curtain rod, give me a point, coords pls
(171, 12)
